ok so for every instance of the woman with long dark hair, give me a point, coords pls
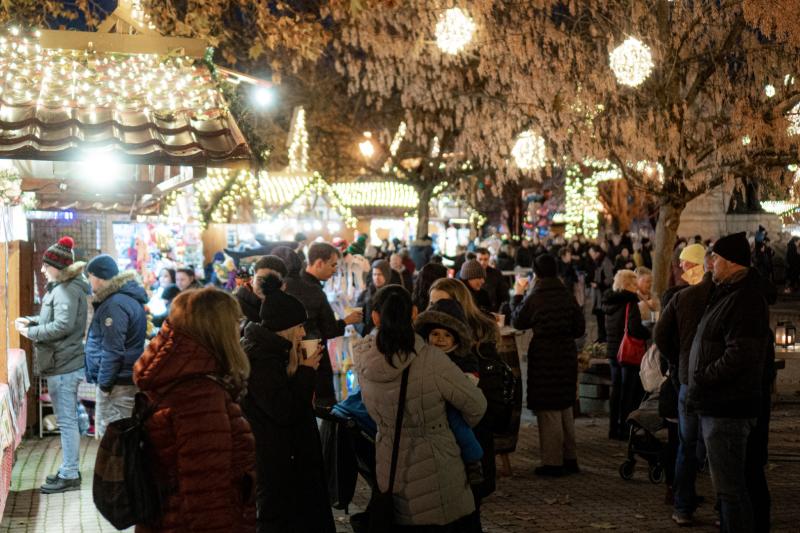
(431, 484)
(422, 287)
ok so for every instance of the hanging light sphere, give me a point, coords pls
(529, 151)
(769, 90)
(454, 30)
(794, 121)
(631, 62)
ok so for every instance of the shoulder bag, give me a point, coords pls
(631, 350)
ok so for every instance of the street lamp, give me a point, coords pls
(366, 147)
(454, 30)
(264, 96)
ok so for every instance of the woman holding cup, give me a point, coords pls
(292, 493)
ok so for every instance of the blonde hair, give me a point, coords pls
(292, 335)
(643, 271)
(484, 328)
(623, 279)
(211, 317)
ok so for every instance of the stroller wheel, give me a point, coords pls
(656, 474)
(626, 469)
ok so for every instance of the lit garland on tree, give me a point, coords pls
(631, 62)
(454, 30)
(529, 151)
(582, 202)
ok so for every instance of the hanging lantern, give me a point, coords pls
(529, 151)
(454, 30)
(631, 62)
(785, 334)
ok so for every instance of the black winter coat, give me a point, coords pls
(614, 304)
(551, 311)
(674, 331)
(249, 302)
(292, 490)
(729, 353)
(481, 299)
(497, 288)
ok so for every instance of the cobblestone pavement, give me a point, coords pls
(597, 499)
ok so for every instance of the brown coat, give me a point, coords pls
(204, 448)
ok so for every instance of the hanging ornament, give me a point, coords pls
(529, 151)
(454, 30)
(631, 62)
(769, 90)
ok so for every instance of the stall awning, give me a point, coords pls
(65, 98)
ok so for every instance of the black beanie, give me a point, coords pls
(280, 311)
(734, 247)
(272, 262)
(290, 258)
(545, 266)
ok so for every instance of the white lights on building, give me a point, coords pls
(631, 62)
(454, 30)
(529, 151)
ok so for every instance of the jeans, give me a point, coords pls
(471, 451)
(726, 445)
(626, 395)
(112, 406)
(686, 463)
(64, 394)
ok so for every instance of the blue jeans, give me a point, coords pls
(64, 394)
(726, 445)
(686, 462)
(471, 451)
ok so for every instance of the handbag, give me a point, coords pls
(381, 506)
(631, 350)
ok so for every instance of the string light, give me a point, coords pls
(631, 62)
(298, 147)
(582, 204)
(529, 151)
(769, 90)
(394, 147)
(779, 207)
(377, 194)
(794, 120)
(454, 30)
(366, 147)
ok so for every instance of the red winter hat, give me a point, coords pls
(60, 255)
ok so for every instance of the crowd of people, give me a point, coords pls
(240, 378)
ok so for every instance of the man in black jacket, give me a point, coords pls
(674, 333)
(250, 295)
(323, 261)
(496, 285)
(726, 370)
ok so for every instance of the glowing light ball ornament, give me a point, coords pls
(454, 30)
(529, 151)
(631, 62)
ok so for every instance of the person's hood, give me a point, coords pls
(171, 355)
(372, 365)
(259, 342)
(123, 283)
(694, 275)
(73, 274)
(432, 319)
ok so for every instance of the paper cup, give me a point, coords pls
(500, 319)
(309, 347)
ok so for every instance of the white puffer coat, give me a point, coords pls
(431, 484)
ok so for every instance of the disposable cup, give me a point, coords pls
(309, 347)
(500, 319)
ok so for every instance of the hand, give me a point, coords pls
(23, 331)
(314, 359)
(593, 285)
(356, 317)
(21, 323)
(521, 286)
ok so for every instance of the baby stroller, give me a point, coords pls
(644, 440)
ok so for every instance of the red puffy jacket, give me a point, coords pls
(204, 448)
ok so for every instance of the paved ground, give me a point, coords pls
(595, 500)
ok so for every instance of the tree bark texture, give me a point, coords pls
(669, 216)
(425, 193)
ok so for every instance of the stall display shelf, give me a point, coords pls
(13, 409)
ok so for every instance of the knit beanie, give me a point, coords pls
(694, 253)
(472, 270)
(385, 268)
(545, 266)
(734, 247)
(60, 255)
(280, 311)
(103, 266)
(290, 259)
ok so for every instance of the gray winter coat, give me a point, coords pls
(431, 484)
(58, 331)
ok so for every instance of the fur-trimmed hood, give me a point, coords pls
(124, 282)
(432, 319)
(71, 272)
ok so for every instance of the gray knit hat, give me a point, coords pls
(472, 270)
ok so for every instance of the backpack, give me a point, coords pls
(650, 370)
(499, 386)
(124, 488)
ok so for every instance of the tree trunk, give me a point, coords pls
(425, 193)
(669, 216)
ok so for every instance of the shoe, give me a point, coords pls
(571, 466)
(683, 520)
(61, 485)
(49, 480)
(474, 473)
(549, 471)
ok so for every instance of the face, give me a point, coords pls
(686, 265)
(396, 262)
(164, 279)
(442, 339)
(259, 277)
(324, 270)
(593, 254)
(51, 273)
(645, 284)
(377, 278)
(722, 268)
(183, 280)
(438, 294)
(483, 259)
(95, 282)
(567, 257)
(476, 284)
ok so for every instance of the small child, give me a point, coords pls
(443, 325)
